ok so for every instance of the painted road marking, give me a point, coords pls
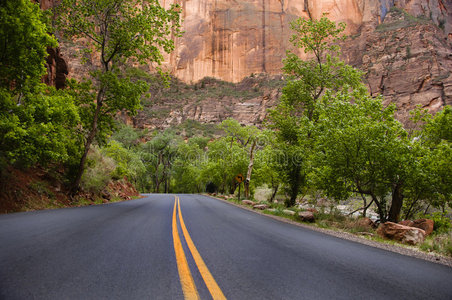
(211, 284)
(186, 280)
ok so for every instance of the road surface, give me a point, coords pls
(153, 248)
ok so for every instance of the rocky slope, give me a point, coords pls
(406, 59)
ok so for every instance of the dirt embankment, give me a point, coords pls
(36, 188)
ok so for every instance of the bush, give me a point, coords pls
(442, 223)
(98, 172)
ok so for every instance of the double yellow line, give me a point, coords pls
(186, 279)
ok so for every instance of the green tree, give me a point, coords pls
(267, 162)
(158, 156)
(361, 148)
(39, 130)
(128, 162)
(119, 31)
(24, 40)
(225, 159)
(188, 166)
(294, 118)
(245, 136)
(36, 122)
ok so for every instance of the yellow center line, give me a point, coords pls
(211, 284)
(186, 280)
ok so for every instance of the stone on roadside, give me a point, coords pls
(271, 209)
(313, 210)
(288, 212)
(366, 223)
(248, 202)
(306, 216)
(401, 233)
(406, 223)
(260, 206)
(425, 224)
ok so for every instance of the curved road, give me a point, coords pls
(129, 250)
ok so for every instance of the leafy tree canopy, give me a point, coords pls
(24, 40)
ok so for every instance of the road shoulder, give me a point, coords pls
(403, 250)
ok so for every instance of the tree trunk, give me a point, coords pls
(410, 209)
(381, 212)
(396, 204)
(92, 134)
(294, 186)
(275, 190)
(246, 184)
(364, 205)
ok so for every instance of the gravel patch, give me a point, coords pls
(404, 250)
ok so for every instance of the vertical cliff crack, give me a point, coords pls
(306, 8)
(214, 16)
(263, 38)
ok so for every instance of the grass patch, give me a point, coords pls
(439, 243)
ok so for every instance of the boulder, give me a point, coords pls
(288, 212)
(406, 223)
(365, 222)
(313, 210)
(306, 216)
(260, 206)
(248, 202)
(424, 224)
(401, 233)
(271, 209)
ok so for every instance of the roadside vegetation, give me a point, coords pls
(63, 131)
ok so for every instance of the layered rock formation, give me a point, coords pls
(406, 59)
(230, 40)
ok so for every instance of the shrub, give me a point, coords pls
(442, 223)
(98, 172)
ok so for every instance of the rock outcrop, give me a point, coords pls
(401, 233)
(57, 69)
(406, 59)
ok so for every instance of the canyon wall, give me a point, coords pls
(231, 39)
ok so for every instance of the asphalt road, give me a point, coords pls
(127, 251)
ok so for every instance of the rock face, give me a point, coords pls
(230, 40)
(408, 60)
(57, 69)
(404, 48)
(401, 233)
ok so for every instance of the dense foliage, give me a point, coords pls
(36, 122)
(130, 31)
